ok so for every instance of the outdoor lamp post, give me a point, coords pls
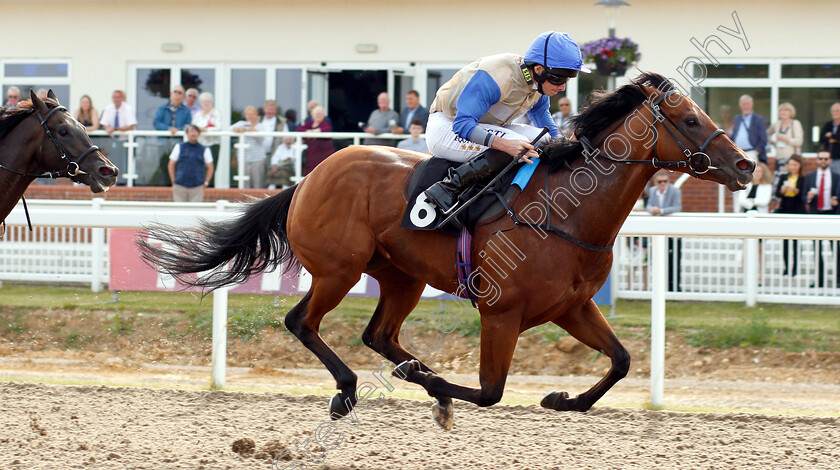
(611, 7)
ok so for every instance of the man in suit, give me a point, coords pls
(823, 197)
(412, 110)
(749, 130)
(665, 199)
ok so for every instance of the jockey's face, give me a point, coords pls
(548, 88)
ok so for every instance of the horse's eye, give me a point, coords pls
(691, 122)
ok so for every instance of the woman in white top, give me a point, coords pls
(786, 134)
(756, 195)
(207, 119)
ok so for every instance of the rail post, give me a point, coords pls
(659, 281)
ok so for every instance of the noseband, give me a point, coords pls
(72, 169)
(698, 162)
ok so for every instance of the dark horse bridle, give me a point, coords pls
(72, 169)
(698, 162)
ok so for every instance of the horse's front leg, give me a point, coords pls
(589, 326)
(499, 333)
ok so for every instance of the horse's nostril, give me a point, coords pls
(743, 165)
(107, 171)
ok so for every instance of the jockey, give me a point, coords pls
(472, 114)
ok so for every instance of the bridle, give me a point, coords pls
(70, 171)
(72, 168)
(698, 162)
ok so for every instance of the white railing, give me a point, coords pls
(134, 147)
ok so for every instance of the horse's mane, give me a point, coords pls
(604, 109)
(11, 117)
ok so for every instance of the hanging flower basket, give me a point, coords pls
(611, 56)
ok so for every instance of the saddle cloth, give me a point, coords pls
(421, 215)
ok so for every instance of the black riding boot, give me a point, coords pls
(444, 194)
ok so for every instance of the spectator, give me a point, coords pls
(281, 166)
(190, 168)
(191, 101)
(119, 115)
(12, 97)
(413, 110)
(786, 134)
(255, 151)
(381, 120)
(665, 199)
(756, 195)
(790, 189)
(319, 149)
(414, 142)
(173, 115)
(563, 115)
(87, 114)
(823, 187)
(830, 137)
(208, 119)
(749, 130)
(822, 198)
(291, 119)
(271, 122)
(726, 119)
(42, 93)
(309, 107)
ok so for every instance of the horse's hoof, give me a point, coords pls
(338, 407)
(560, 401)
(405, 369)
(443, 415)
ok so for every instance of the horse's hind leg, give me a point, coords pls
(589, 326)
(399, 294)
(304, 320)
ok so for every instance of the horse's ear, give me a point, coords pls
(37, 103)
(50, 94)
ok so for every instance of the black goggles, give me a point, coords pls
(559, 76)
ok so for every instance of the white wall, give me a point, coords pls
(102, 37)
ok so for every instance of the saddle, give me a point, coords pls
(421, 215)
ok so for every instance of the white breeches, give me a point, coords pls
(446, 144)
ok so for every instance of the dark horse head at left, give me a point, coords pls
(344, 219)
(40, 139)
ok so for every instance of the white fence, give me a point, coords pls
(150, 146)
(709, 268)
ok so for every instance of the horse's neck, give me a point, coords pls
(16, 153)
(596, 215)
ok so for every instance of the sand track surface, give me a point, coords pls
(46, 426)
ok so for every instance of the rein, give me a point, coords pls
(698, 162)
(71, 170)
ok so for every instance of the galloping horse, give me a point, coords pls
(344, 218)
(40, 139)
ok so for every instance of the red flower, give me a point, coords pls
(610, 53)
(603, 51)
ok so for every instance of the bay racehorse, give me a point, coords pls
(343, 220)
(40, 139)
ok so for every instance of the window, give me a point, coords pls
(810, 70)
(36, 75)
(734, 71)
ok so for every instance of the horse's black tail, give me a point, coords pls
(231, 250)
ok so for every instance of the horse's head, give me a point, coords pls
(685, 133)
(67, 148)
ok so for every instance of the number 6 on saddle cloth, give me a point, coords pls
(479, 202)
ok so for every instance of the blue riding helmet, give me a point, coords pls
(555, 51)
